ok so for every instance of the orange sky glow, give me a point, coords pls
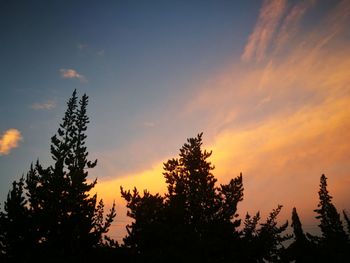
(281, 115)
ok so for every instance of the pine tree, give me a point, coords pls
(62, 216)
(330, 223)
(16, 230)
(196, 220)
(301, 249)
(191, 184)
(297, 227)
(250, 251)
(334, 239)
(347, 220)
(2, 237)
(192, 189)
(263, 242)
(271, 237)
(147, 234)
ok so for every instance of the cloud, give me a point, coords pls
(282, 122)
(9, 140)
(287, 153)
(149, 124)
(277, 25)
(269, 17)
(291, 23)
(291, 116)
(49, 105)
(71, 74)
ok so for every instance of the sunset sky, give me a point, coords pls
(267, 82)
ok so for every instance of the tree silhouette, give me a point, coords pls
(51, 215)
(2, 237)
(271, 237)
(197, 220)
(347, 220)
(301, 249)
(333, 243)
(201, 213)
(62, 218)
(250, 251)
(147, 231)
(16, 230)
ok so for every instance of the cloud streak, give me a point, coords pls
(290, 115)
(49, 105)
(265, 28)
(72, 74)
(291, 23)
(277, 25)
(282, 122)
(9, 140)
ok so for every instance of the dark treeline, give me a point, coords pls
(50, 214)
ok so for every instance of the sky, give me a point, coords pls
(267, 82)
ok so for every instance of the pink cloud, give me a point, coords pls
(71, 74)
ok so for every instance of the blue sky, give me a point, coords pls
(266, 81)
(135, 57)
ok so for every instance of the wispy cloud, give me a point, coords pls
(9, 140)
(282, 122)
(278, 121)
(149, 124)
(72, 74)
(277, 25)
(265, 28)
(49, 105)
(291, 23)
(291, 113)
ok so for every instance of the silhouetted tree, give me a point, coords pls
(333, 243)
(203, 213)
(51, 214)
(61, 216)
(191, 185)
(195, 221)
(297, 227)
(250, 251)
(2, 237)
(16, 231)
(301, 249)
(147, 232)
(272, 236)
(263, 244)
(347, 220)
